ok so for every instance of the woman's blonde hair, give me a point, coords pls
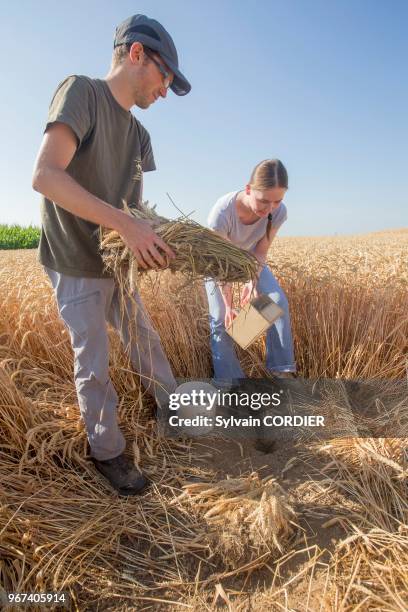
(267, 174)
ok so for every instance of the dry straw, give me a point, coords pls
(249, 516)
(200, 253)
(61, 526)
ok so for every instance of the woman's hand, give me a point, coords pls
(248, 293)
(230, 314)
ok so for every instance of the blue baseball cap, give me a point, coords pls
(151, 33)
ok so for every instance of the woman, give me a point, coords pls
(250, 219)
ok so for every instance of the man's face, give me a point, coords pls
(152, 78)
(266, 201)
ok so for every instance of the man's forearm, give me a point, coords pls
(56, 185)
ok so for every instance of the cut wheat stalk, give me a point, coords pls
(200, 252)
(247, 516)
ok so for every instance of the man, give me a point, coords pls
(91, 160)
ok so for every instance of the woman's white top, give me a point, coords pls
(224, 219)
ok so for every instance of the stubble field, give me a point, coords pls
(311, 526)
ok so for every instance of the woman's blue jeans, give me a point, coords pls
(279, 342)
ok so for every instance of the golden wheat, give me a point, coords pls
(60, 525)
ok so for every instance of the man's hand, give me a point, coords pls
(140, 238)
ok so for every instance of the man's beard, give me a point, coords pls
(141, 99)
(142, 104)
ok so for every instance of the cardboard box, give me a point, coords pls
(253, 320)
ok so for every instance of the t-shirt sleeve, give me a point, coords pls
(148, 163)
(218, 221)
(74, 105)
(280, 216)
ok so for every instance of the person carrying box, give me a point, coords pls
(250, 218)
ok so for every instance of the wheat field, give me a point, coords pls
(322, 526)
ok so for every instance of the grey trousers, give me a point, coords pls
(85, 305)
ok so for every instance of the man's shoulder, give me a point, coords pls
(78, 79)
(76, 85)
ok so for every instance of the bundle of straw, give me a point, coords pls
(248, 515)
(200, 253)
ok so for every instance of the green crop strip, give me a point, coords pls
(17, 237)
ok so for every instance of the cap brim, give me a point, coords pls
(180, 85)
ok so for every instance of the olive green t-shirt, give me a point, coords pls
(113, 151)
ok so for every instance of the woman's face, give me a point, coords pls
(266, 201)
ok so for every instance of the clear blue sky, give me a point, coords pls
(321, 84)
